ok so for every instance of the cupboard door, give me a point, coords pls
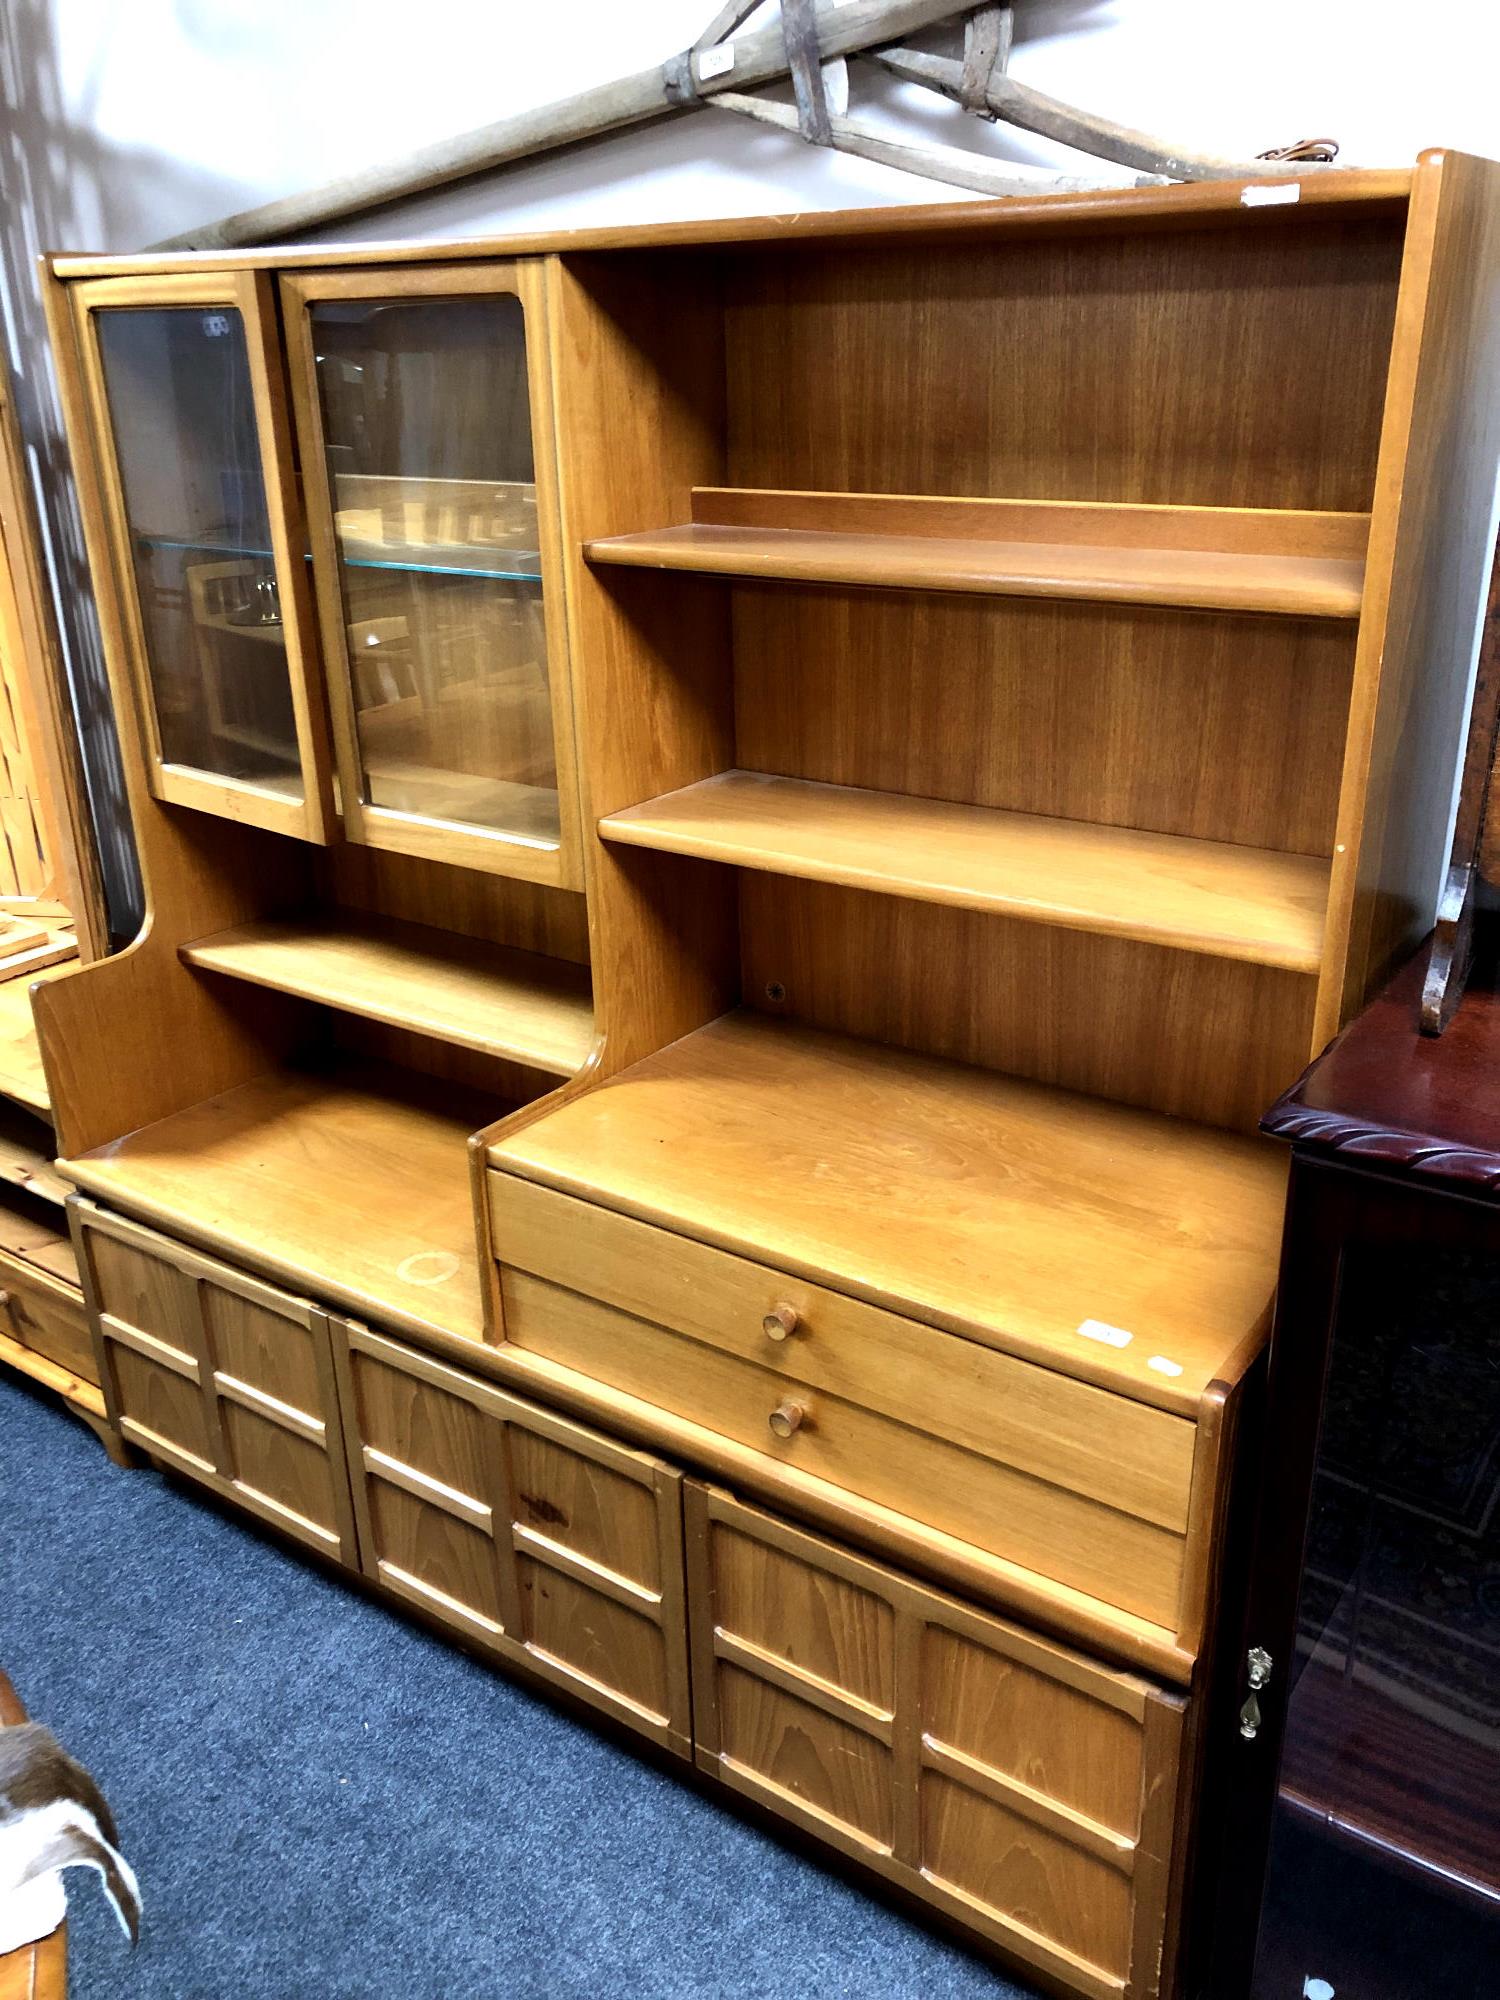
(424, 411)
(1019, 1786)
(194, 446)
(552, 1546)
(228, 1379)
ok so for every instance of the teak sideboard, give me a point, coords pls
(740, 822)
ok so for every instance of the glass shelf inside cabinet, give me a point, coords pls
(427, 429)
(182, 415)
(519, 566)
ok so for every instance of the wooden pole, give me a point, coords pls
(1018, 104)
(844, 27)
(949, 164)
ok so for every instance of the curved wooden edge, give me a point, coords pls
(1334, 1132)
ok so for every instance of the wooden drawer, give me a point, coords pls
(555, 1548)
(1016, 1785)
(218, 1374)
(1077, 1484)
(47, 1316)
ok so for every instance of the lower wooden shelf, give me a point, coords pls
(21, 1076)
(515, 1004)
(351, 1183)
(1127, 1248)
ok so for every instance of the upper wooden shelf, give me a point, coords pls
(1197, 558)
(1198, 895)
(516, 1004)
(1131, 1249)
(354, 1184)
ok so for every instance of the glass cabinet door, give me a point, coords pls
(198, 480)
(419, 395)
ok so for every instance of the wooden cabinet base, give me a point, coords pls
(1014, 1784)
(219, 1376)
(557, 1549)
(1027, 1792)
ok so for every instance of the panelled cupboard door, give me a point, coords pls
(192, 436)
(424, 411)
(1018, 1786)
(219, 1375)
(554, 1547)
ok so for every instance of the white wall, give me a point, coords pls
(162, 113)
(125, 121)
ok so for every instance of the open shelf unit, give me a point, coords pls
(476, 995)
(1224, 559)
(1209, 896)
(353, 1183)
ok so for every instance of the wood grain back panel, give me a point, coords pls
(554, 1548)
(1008, 1781)
(1202, 1038)
(472, 901)
(1217, 367)
(1220, 727)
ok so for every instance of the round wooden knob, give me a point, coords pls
(780, 1321)
(785, 1418)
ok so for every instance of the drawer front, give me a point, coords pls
(1133, 1458)
(1015, 1784)
(221, 1375)
(1120, 1560)
(554, 1547)
(44, 1318)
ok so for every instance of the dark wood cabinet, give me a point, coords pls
(1364, 1837)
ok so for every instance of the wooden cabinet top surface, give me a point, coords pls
(1128, 1249)
(1367, 189)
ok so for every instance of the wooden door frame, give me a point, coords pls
(250, 294)
(380, 826)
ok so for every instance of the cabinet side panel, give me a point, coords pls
(638, 388)
(1429, 561)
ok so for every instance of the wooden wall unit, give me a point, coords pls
(867, 753)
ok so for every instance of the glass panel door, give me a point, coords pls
(419, 394)
(1384, 1876)
(195, 456)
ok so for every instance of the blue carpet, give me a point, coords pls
(322, 1800)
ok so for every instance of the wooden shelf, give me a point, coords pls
(487, 997)
(353, 1184)
(1131, 1249)
(21, 1075)
(27, 1147)
(1198, 558)
(1198, 895)
(35, 1235)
